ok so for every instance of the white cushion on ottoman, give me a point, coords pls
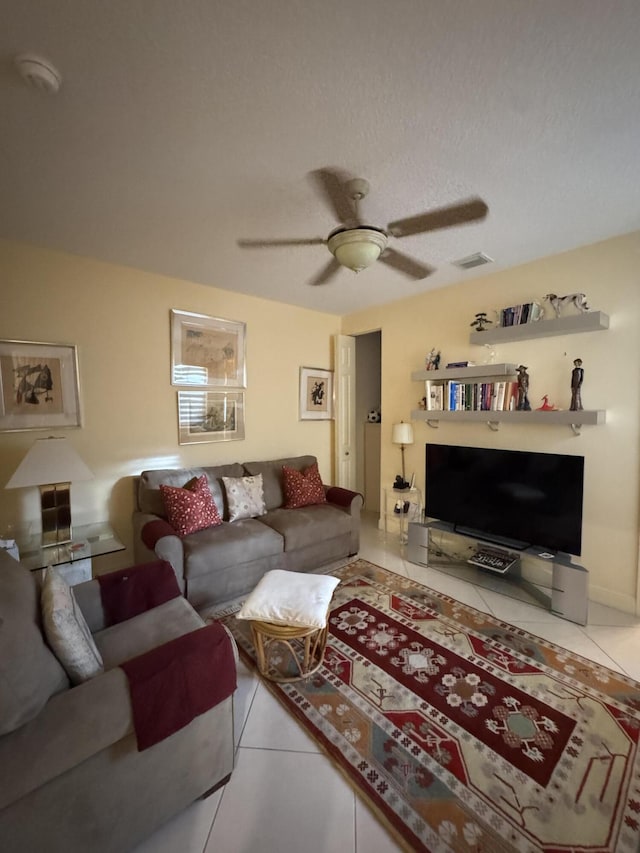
(290, 598)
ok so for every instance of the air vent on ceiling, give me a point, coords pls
(478, 259)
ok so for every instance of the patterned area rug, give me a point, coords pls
(462, 732)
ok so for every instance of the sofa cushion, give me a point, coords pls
(272, 476)
(67, 630)
(150, 499)
(29, 671)
(190, 508)
(245, 497)
(231, 544)
(308, 525)
(290, 598)
(302, 488)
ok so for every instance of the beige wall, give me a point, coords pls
(608, 273)
(119, 320)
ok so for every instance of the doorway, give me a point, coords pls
(368, 398)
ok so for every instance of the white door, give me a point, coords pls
(345, 410)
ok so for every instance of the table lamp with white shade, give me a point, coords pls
(52, 464)
(402, 434)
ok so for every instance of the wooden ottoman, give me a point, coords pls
(288, 615)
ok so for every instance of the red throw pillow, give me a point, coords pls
(191, 508)
(302, 488)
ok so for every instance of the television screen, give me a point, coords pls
(513, 497)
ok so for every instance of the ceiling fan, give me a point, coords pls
(356, 245)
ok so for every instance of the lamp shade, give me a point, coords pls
(357, 248)
(402, 433)
(49, 460)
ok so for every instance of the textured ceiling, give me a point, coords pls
(183, 127)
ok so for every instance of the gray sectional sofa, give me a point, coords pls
(72, 779)
(221, 563)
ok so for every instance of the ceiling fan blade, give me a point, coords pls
(331, 184)
(405, 264)
(471, 210)
(267, 244)
(327, 272)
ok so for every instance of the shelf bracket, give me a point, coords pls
(493, 426)
(576, 428)
(433, 424)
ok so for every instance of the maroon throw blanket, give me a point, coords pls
(129, 592)
(180, 680)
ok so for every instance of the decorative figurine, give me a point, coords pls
(523, 404)
(433, 360)
(577, 376)
(546, 405)
(481, 321)
(559, 302)
(422, 404)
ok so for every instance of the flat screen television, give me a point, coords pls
(514, 498)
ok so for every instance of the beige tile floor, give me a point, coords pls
(285, 796)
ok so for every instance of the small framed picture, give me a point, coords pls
(39, 386)
(207, 351)
(205, 416)
(316, 394)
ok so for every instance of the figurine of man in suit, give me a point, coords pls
(577, 377)
(523, 404)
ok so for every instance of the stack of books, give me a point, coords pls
(516, 315)
(455, 396)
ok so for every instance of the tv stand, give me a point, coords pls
(514, 544)
(568, 596)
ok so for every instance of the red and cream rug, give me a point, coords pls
(464, 733)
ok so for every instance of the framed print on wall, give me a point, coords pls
(207, 351)
(205, 416)
(316, 394)
(39, 386)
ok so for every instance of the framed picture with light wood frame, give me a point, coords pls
(207, 351)
(316, 394)
(206, 416)
(39, 386)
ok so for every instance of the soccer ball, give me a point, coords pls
(373, 417)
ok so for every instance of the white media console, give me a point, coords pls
(569, 591)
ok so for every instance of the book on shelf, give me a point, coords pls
(517, 315)
(455, 396)
(433, 395)
(461, 364)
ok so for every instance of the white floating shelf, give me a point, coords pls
(476, 372)
(590, 321)
(583, 418)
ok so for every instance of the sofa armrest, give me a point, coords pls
(73, 726)
(351, 503)
(155, 539)
(344, 499)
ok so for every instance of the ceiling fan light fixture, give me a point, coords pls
(357, 248)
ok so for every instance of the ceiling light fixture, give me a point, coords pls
(357, 248)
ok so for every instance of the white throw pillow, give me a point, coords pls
(290, 598)
(67, 631)
(245, 496)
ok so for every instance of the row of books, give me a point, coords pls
(516, 315)
(454, 396)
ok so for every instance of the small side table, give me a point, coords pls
(306, 647)
(403, 506)
(74, 558)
